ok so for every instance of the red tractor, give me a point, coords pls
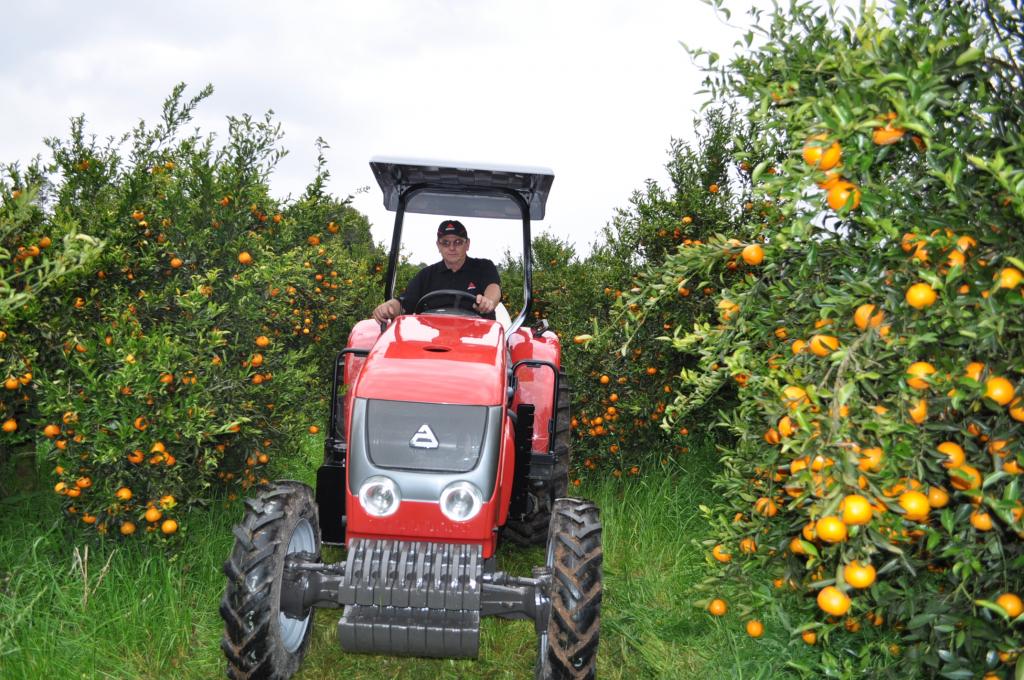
(448, 433)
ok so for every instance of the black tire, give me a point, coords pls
(532, 528)
(259, 641)
(568, 648)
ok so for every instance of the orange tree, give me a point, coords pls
(873, 488)
(197, 344)
(625, 376)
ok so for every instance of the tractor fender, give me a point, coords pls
(536, 384)
(362, 336)
(506, 471)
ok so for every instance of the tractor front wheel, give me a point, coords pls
(259, 640)
(568, 648)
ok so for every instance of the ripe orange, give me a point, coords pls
(727, 309)
(809, 636)
(766, 506)
(974, 370)
(858, 574)
(918, 371)
(796, 547)
(1010, 277)
(719, 553)
(167, 502)
(51, 431)
(127, 528)
(10, 425)
(921, 295)
(938, 497)
(823, 345)
(915, 505)
(982, 521)
(755, 628)
(794, 397)
(999, 390)
(1012, 603)
(83, 482)
(831, 529)
(919, 411)
(864, 317)
(883, 136)
(169, 527)
(870, 459)
(753, 254)
(820, 156)
(841, 193)
(718, 607)
(153, 514)
(313, 429)
(12, 383)
(748, 545)
(798, 346)
(855, 510)
(833, 601)
(244, 258)
(123, 494)
(1017, 409)
(965, 477)
(954, 453)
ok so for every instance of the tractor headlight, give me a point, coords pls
(380, 496)
(461, 501)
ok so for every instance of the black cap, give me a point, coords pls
(451, 228)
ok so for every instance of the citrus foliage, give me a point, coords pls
(877, 340)
(198, 343)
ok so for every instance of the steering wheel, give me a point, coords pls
(457, 296)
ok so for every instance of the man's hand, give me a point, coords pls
(484, 304)
(387, 310)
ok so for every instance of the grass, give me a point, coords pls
(78, 609)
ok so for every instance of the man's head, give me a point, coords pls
(452, 243)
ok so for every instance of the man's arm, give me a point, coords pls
(489, 299)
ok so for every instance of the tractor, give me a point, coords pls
(448, 434)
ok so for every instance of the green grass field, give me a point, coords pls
(72, 608)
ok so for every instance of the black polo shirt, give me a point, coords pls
(473, 277)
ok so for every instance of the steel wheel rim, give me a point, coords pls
(293, 631)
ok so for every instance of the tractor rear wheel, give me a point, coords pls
(532, 528)
(568, 648)
(259, 640)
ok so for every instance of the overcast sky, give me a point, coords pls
(593, 90)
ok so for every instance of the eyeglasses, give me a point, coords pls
(452, 243)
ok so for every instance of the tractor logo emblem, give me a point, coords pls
(424, 438)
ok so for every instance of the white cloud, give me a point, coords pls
(594, 90)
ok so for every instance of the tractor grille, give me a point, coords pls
(415, 598)
(425, 437)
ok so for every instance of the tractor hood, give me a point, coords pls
(436, 358)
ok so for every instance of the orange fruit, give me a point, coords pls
(169, 527)
(823, 345)
(748, 545)
(127, 528)
(999, 390)
(974, 370)
(841, 193)
(915, 505)
(262, 341)
(870, 459)
(982, 521)
(798, 346)
(1012, 603)
(51, 431)
(796, 547)
(794, 397)
(858, 574)
(727, 309)
(919, 411)
(167, 501)
(820, 156)
(718, 607)
(883, 136)
(809, 636)
(766, 506)
(921, 295)
(918, 371)
(864, 317)
(965, 477)
(755, 628)
(10, 425)
(313, 429)
(12, 383)
(719, 553)
(1017, 409)
(1010, 277)
(153, 514)
(753, 254)
(855, 510)
(831, 529)
(954, 453)
(244, 258)
(833, 601)
(123, 494)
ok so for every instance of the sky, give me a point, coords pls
(593, 90)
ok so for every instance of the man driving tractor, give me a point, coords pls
(455, 271)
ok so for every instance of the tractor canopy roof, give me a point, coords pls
(462, 189)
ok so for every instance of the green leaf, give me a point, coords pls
(969, 55)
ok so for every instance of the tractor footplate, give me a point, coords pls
(409, 597)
